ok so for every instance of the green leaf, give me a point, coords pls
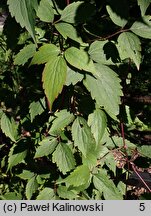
(110, 162)
(26, 175)
(40, 180)
(37, 108)
(118, 11)
(64, 158)
(79, 59)
(34, 4)
(142, 28)
(65, 193)
(103, 150)
(1, 146)
(69, 13)
(103, 52)
(63, 119)
(98, 122)
(129, 46)
(68, 31)
(122, 187)
(82, 136)
(45, 53)
(80, 176)
(26, 53)
(46, 147)
(46, 194)
(73, 77)
(77, 12)
(103, 183)
(145, 151)
(8, 126)
(23, 11)
(105, 88)
(31, 187)
(54, 77)
(82, 188)
(90, 160)
(45, 11)
(118, 141)
(17, 154)
(144, 4)
(118, 20)
(11, 196)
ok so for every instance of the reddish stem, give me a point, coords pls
(123, 136)
(134, 169)
(68, 2)
(125, 147)
(48, 104)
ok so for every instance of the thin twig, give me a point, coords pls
(106, 37)
(54, 5)
(123, 135)
(68, 2)
(125, 147)
(115, 33)
(134, 169)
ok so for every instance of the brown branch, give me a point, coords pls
(114, 34)
(106, 37)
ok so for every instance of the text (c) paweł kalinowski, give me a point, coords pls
(61, 207)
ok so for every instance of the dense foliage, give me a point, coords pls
(75, 95)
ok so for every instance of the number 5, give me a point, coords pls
(142, 206)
